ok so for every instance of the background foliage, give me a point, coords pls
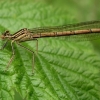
(64, 70)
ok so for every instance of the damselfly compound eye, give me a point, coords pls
(6, 33)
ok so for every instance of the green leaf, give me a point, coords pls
(63, 70)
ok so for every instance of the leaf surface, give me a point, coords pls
(63, 70)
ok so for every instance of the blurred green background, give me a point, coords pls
(86, 10)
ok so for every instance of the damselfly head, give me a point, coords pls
(5, 35)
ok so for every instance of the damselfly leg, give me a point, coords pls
(36, 45)
(30, 52)
(4, 45)
(12, 57)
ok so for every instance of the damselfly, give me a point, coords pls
(56, 31)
